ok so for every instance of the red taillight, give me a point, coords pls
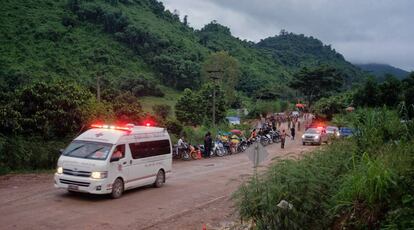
(148, 124)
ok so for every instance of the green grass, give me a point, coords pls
(170, 98)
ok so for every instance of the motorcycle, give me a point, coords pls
(275, 136)
(186, 152)
(243, 145)
(264, 139)
(219, 149)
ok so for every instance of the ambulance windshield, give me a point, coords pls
(88, 150)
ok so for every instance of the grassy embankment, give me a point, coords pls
(364, 182)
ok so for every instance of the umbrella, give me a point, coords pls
(236, 131)
(300, 105)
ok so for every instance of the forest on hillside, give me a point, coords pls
(100, 60)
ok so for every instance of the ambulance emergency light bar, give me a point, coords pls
(127, 127)
(124, 128)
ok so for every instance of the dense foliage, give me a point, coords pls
(358, 183)
(55, 56)
(391, 93)
(81, 40)
(196, 107)
(317, 82)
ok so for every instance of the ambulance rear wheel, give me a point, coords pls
(117, 188)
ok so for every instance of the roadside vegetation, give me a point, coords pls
(364, 182)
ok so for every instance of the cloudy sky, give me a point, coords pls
(364, 31)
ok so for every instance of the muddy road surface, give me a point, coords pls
(199, 192)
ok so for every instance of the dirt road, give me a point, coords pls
(198, 192)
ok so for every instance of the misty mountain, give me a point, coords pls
(380, 70)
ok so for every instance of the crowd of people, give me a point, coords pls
(273, 127)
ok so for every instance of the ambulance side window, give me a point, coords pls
(120, 148)
(149, 148)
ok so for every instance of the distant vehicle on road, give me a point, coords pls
(314, 136)
(110, 159)
(332, 131)
(345, 132)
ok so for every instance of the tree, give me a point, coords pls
(228, 76)
(50, 109)
(162, 111)
(206, 98)
(188, 109)
(316, 83)
(127, 108)
(408, 85)
(368, 94)
(390, 91)
(334, 104)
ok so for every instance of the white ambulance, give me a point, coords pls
(111, 159)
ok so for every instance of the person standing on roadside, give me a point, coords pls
(292, 132)
(207, 144)
(283, 138)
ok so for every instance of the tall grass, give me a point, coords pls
(361, 182)
(306, 184)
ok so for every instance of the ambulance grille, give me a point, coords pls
(76, 173)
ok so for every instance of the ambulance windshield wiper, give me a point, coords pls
(80, 146)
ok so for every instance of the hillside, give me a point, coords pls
(42, 40)
(138, 45)
(380, 70)
(256, 66)
(296, 51)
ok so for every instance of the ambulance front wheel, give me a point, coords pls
(117, 188)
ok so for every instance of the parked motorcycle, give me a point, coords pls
(243, 145)
(275, 136)
(186, 152)
(219, 149)
(265, 139)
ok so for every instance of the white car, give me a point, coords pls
(314, 136)
(332, 131)
(110, 159)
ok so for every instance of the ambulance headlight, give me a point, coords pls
(59, 170)
(99, 175)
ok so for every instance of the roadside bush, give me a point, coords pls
(364, 182)
(306, 184)
(29, 153)
(374, 127)
(174, 127)
(263, 107)
(162, 111)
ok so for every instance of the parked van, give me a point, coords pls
(111, 159)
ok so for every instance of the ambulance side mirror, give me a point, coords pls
(114, 158)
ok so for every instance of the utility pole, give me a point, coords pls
(214, 76)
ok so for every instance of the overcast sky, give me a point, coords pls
(364, 31)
